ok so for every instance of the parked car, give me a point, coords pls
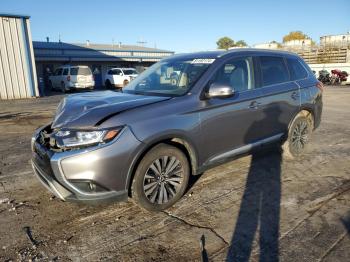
(66, 78)
(119, 77)
(146, 141)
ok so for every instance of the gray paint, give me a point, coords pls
(214, 130)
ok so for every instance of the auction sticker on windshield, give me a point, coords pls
(202, 61)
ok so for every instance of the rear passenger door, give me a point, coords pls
(281, 95)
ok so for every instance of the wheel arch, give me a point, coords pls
(304, 111)
(177, 141)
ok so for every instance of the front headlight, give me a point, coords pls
(70, 139)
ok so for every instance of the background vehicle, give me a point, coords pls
(66, 78)
(147, 140)
(324, 77)
(120, 77)
(338, 76)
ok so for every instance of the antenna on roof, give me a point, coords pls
(141, 42)
(59, 38)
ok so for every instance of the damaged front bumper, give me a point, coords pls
(92, 175)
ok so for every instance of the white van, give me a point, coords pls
(68, 77)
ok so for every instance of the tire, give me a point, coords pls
(63, 87)
(125, 83)
(298, 136)
(51, 86)
(108, 84)
(151, 178)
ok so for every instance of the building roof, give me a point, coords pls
(14, 15)
(66, 52)
(99, 47)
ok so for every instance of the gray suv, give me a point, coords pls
(183, 115)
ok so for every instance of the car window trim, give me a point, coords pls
(219, 65)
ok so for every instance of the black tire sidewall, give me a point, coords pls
(137, 184)
(292, 150)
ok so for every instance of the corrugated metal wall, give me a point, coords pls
(17, 65)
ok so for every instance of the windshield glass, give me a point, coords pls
(171, 78)
(130, 72)
(84, 71)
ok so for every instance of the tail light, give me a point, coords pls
(320, 86)
(68, 78)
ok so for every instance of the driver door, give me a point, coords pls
(228, 125)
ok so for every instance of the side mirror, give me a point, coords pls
(120, 74)
(219, 90)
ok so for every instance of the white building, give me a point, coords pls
(17, 65)
(298, 43)
(271, 45)
(335, 40)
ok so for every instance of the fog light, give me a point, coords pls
(88, 186)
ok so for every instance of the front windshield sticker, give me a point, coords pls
(202, 61)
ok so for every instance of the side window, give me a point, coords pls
(65, 71)
(59, 72)
(237, 73)
(296, 69)
(115, 72)
(273, 70)
(109, 72)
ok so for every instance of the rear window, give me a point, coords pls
(85, 71)
(296, 69)
(273, 70)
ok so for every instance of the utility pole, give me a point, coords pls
(141, 42)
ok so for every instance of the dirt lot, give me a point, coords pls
(256, 207)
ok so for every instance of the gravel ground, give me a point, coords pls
(258, 207)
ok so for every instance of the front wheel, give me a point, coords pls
(298, 137)
(161, 178)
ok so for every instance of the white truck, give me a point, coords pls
(119, 77)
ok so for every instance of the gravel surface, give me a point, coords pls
(258, 207)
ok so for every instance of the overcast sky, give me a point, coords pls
(181, 26)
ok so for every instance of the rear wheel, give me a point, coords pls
(125, 83)
(298, 136)
(51, 86)
(63, 87)
(161, 178)
(108, 84)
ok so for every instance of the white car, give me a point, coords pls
(119, 77)
(68, 77)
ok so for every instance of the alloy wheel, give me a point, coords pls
(300, 136)
(162, 180)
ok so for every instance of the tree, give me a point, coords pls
(275, 42)
(240, 43)
(295, 35)
(225, 43)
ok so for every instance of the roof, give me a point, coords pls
(100, 47)
(14, 15)
(220, 53)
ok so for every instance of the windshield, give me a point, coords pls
(130, 72)
(84, 71)
(171, 78)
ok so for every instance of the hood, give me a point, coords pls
(87, 110)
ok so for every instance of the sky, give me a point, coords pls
(180, 26)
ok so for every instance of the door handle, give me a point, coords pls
(254, 105)
(294, 95)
